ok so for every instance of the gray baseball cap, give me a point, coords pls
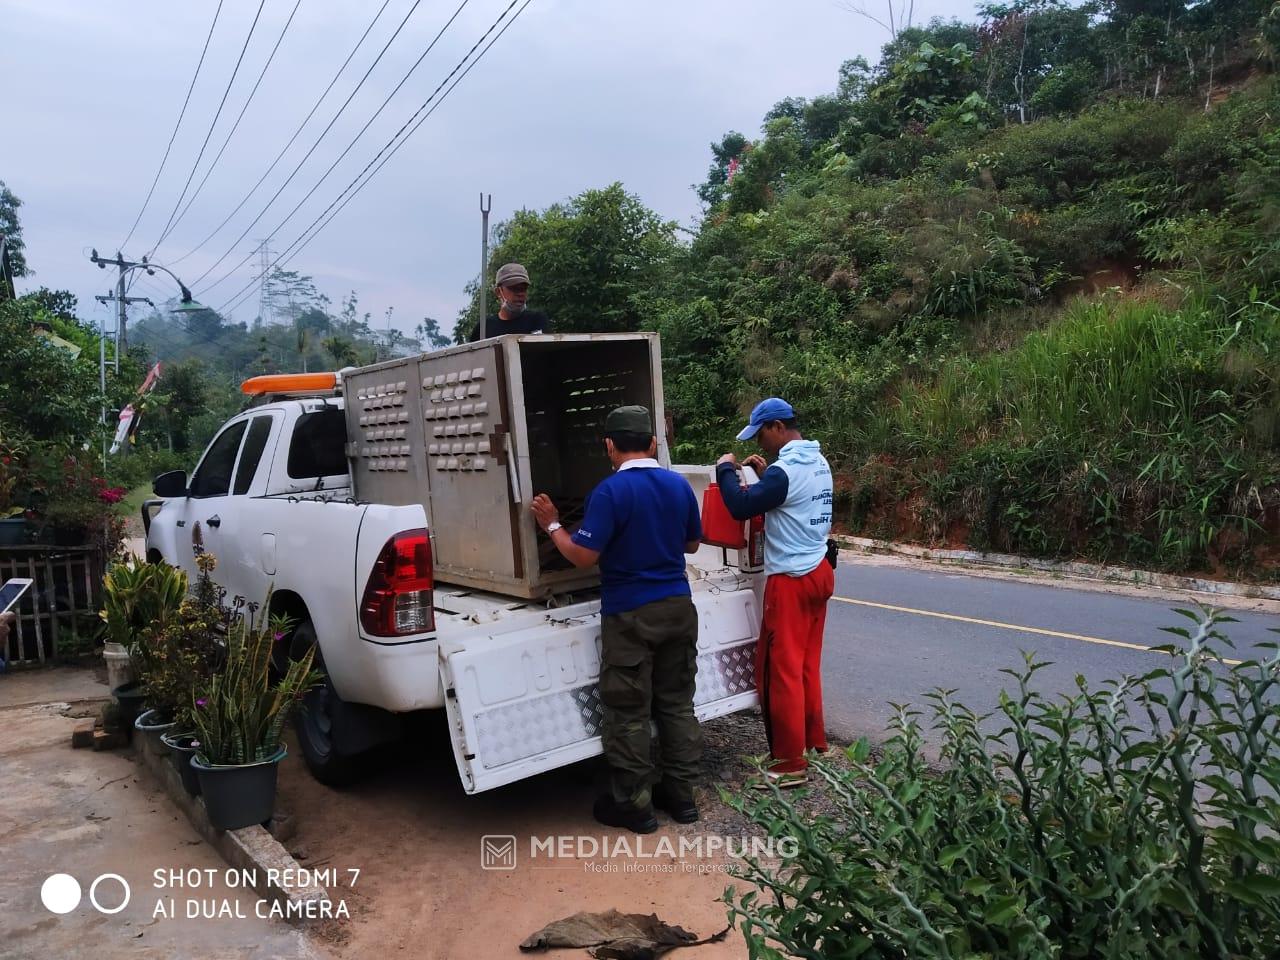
(632, 419)
(510, 274)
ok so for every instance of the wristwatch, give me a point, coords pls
(553, 526)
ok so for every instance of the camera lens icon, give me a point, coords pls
(60, 893)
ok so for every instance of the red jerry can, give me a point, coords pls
(719, 529)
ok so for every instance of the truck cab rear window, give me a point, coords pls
(318, 445)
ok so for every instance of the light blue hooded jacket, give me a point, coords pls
(795, 497)
(795, 533)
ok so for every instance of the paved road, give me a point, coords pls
(874, 655)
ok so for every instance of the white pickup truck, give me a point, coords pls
(272, 498)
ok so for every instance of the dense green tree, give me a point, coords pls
(430, 335)
(730, 149)
(11, 230)
(1028, 43)
(586, 259)
(185, 392)
(46, 394)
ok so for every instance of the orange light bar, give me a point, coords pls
(289, 383)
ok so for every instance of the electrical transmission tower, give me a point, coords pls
(264, 265)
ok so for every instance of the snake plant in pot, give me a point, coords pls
(239, 719)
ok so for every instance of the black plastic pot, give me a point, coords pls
(128, 698)
(153, 726)
(13, 531)
(181, 750)
(241, 795)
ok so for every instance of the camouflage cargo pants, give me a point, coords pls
(647, 671)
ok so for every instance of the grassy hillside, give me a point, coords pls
(1032, 313)
(953, 337)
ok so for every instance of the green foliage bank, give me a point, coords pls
(1021, 279)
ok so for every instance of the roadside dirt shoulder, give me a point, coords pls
(417, 839)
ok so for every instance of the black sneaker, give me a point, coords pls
(613, 814)
(681, 811)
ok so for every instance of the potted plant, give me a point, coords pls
(136, 597)
(174, 653)
(179, 655)
(239, 722)
(182, 746)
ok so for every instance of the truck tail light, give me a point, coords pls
(755, 541)
(397, 599)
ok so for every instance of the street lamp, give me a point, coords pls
(188, 303)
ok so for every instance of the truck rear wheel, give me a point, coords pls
(314, 721)
(339, 740)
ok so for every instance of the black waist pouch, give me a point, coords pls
(833, 553)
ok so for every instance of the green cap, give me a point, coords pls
(633, 419)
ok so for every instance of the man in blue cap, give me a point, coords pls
(794, 494)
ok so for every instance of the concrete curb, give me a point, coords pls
(1088, 571)
(250, 849)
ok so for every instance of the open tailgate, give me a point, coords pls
(524, 702)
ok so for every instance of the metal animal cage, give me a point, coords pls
(473, 433)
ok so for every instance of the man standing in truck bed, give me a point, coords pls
(511, 287)
(794, 494)
(639, 524)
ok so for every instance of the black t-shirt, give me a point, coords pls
(531, 321)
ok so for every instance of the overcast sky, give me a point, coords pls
(576, 94)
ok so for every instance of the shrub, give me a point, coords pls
(1065, 89)
(66, 498)
(1071, 830)
(178, 652)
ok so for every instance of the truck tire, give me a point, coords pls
(339, 740)
(314, 721)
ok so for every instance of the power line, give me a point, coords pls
(176, 126)
(341, 156)
(355, 186)
(222, 103)
(152, 288)
(298, 243)
(252, 190)
(308, 154)
(235, 126)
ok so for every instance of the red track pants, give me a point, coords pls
(789, 664)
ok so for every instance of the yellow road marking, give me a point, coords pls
(1010, 626)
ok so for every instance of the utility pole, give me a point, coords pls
(485, 207)
(122, 301)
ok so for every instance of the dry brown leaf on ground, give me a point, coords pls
(611, 935)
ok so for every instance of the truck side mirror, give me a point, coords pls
(171, 484)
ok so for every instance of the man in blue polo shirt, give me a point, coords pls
(639, 524)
